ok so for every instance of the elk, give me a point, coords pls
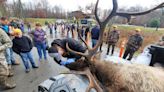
(111, 77)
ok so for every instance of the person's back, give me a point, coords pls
(95, 33)
(73, 44)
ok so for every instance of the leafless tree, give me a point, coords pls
(3, 10)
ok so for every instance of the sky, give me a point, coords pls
(71, 5)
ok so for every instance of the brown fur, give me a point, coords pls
(124, 77)
(129, 77)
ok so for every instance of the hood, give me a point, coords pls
(58, 42)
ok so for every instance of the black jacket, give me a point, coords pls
(22, 45)
(95, 33)
(73, 44)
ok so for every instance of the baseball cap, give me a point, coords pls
(17, 31)
(137, 29)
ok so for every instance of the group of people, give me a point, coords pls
(58, 48)
(12, 39)
(112, 37)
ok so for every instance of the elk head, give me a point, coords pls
(91, 52)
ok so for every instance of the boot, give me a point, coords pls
(10, 72)
(9, 86)
(6, 85)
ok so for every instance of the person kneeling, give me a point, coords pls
(22, 45)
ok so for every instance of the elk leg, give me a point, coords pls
(92, 82)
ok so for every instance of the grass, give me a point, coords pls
(40, 20)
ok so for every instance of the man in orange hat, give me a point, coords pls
(22, 45)
(134, 43)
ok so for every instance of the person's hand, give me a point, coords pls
(68, 61)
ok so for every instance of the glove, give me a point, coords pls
(71, 60)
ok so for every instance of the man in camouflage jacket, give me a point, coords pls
(134, 43)
(5, 43)
(112, 39)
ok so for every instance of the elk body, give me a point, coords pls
(128, 77)
(116, 77)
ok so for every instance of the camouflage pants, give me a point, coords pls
(3, 74)
(3, 80)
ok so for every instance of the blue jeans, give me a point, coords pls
(41, 47)
(94, 42)
(26, 57)
(9, 56)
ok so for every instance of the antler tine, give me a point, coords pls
(92, 81)
(79, 53)
(83, 40)
(96, 9)
(128, 15)
(113, 12)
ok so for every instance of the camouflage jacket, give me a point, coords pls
(135, 42)
(5, 43)
(113, 36)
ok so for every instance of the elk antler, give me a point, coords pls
(83, 40)
(92, 81)
(79, 53)
(128, 15)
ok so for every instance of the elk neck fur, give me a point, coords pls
(128, 77)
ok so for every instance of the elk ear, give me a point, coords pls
(97, 56)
